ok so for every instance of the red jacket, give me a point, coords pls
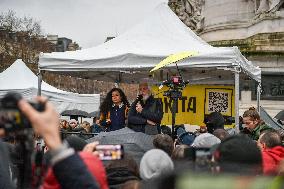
(94, 165)
(271, 159)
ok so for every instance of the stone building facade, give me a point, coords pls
(256, 27)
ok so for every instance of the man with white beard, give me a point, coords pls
(146, 112)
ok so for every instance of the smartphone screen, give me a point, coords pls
(110, 151)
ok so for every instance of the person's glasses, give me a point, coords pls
(72, 123)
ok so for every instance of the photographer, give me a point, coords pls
(46, 124)
(146, 112)
(5, 177)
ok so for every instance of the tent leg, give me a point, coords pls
(258, 96)
(39, 76)
(237, 98)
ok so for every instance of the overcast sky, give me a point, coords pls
(88, 22)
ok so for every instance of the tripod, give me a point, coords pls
(174, 95)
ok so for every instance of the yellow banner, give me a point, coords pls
(197, 102)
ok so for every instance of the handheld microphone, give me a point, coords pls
(140, 97)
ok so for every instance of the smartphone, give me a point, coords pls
(110, 151)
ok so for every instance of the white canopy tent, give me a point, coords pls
(130, 56)
(142, 47)
(19, 78)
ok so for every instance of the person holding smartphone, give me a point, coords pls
(45, 124)
(146, 112)
(113, 110)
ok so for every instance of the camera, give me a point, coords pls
(11, 118)
(110, 151)
(176, 82)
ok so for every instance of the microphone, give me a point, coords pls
(139, 99)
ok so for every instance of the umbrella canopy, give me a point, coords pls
(269, 121)
(280, 115)
(94, 114)
(174, 58)
(134, 143)
(75, 112)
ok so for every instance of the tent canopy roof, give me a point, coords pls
(19, 78)
(139, 49)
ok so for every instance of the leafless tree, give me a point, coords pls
(20, 39)
(10, 21)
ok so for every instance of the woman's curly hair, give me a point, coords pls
(106, 105)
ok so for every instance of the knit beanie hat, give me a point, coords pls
(205, 140)
(155, 163)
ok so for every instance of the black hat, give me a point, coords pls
(239, 154)
(215, 121)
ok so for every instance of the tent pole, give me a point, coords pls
(258, 96)
(237, 99)
(118, 80)
(39, 76)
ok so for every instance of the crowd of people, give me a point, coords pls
(211, 157)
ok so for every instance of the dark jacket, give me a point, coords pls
(94, 165)
(75, 176)
(152, 110)
(118, 176)
(5, 177)
(117, 116)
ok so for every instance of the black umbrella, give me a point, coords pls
(280, 115)
(94, 114)
(75, 112)
(134, 143)
(269, 120)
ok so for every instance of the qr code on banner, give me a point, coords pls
(218, 102)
